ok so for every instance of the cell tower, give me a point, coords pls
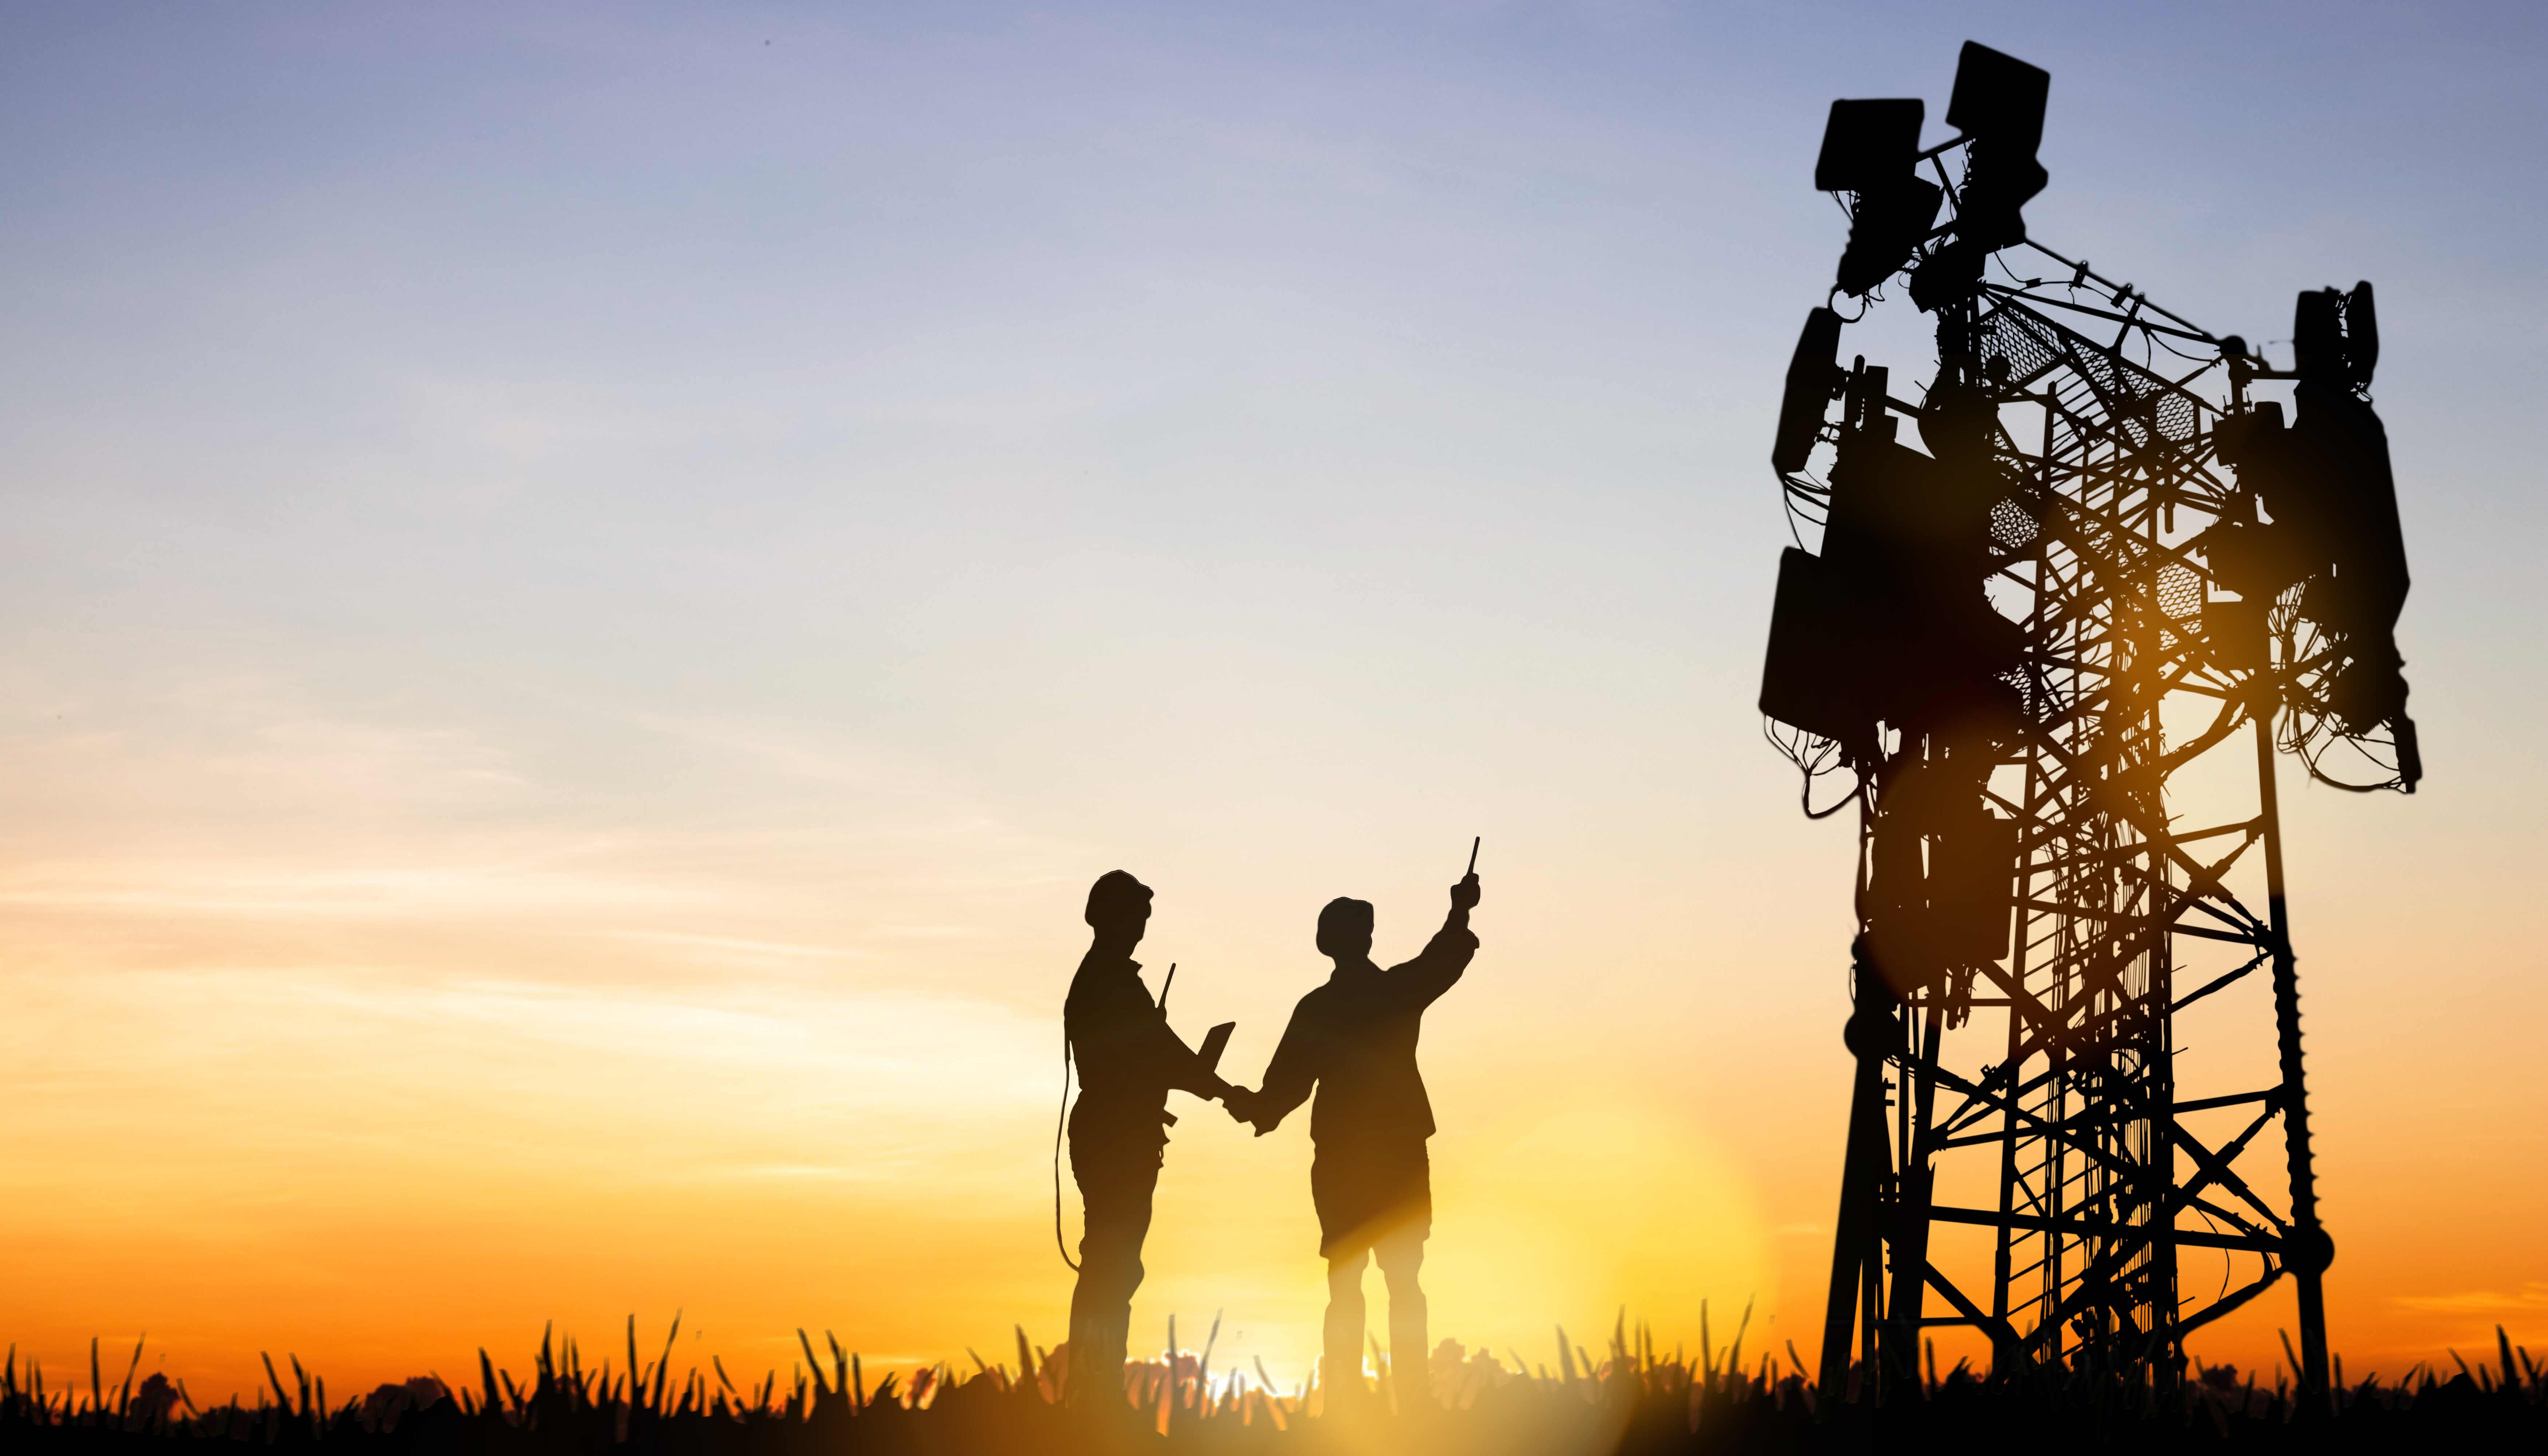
(2049, 658)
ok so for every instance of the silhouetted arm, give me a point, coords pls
(1290, 1075)
(1182, 1070)
(1119, 1026)
(1439, 968)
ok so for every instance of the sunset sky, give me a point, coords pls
(586, 588)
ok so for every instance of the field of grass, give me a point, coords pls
(1635, 1402)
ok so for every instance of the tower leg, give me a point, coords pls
(2308, 1251)
(1908, 1237)
(1856, 1266)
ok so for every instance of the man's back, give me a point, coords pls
(1371, 1176)
(1128, 1060)
(1126, 1056)
(1354, 1039)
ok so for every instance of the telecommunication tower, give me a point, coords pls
(2051, 657)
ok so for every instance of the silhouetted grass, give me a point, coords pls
(1634, 1403)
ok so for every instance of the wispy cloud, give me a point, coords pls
(537, 879)
(278, 816)
(2531, 1296)
(889, 1050)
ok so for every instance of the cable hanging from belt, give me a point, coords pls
(1060, 1119)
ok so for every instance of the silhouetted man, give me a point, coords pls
(1354, 1039)
(1127, 1061)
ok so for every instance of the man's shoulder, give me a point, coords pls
(1351, 1000)
(1318, 1003)
(1105, 989)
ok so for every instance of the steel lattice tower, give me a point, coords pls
(2055, 656)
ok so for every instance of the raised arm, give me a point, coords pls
(1439, 965)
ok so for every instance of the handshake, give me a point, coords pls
(1243, 1107)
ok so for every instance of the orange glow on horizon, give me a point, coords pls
(290, 1113)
